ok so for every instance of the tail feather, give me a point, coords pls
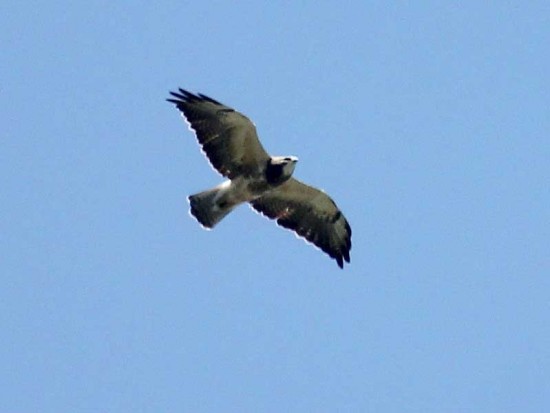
(208, 207)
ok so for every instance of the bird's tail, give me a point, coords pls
(209, 207)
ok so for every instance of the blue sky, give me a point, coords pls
(429, 125)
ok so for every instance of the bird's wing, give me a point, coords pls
(311, 214)
(227, 137)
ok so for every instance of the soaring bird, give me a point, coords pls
(230, 142)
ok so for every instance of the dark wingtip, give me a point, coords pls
(187, 94)
(187, 97)
(208, 98)
(183, 96)
(345, 253)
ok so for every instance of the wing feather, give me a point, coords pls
(227, 137)
(311, 214)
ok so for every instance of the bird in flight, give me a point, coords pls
(231, 144)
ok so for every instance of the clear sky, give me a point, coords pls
(428, 123)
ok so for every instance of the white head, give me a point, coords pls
(281, 168)
(288, 163)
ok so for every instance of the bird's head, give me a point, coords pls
(287, 163)
(280, 168)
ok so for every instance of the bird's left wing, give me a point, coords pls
(311, 214)
(227, 137)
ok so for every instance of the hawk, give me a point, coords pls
(230, 142)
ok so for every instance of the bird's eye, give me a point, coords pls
(287, 159)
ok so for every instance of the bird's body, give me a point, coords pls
(230, 142)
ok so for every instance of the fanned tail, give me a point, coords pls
(208, 207)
